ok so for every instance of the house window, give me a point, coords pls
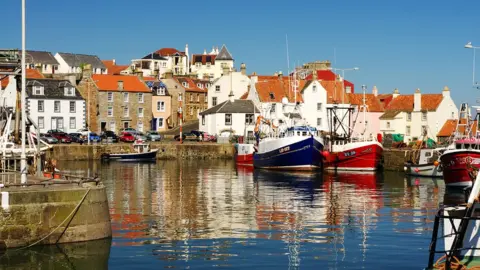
(208, 64)
(388, 125)
(228, 119)
(408, 131)
(214, 101)
(424, 116)
(198, 64)
(249, 118)
(191, 97)
(217, 88)
(198, 97)
(72, 123)
(56, 106)
(140, 112)
(199, 85)
(203, 120)
(110, 111)
(161, 91)
(185, 84)
(319, 122)
(160, 106)
(69, 92)
(272, 95)
(424, 129)
(453, 115)
(409, 116)
(348, 89)
(125, 111)
(112, 126)
(164, 64)
(191, 110)
(160, 122)
(140, 126)
(110, 97)
(207, 85)
(72, 106)
(41, 122)
(140, 97)
(319, 106)
(41, 106)
(59, 123)
(38, 90)
(274, 106)
(125, 97)
(314, 88)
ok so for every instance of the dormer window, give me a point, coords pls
(69, 91)
(185, 84)
(38, 90)
(161, 91)
(208, 64)
(207, 85)
(198, 64)
(199, 85)
(272, 96)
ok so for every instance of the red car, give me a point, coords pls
(126, 137)
(60, 136)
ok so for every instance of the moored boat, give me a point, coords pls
(244, 154)
(424, 163)
(141, 152)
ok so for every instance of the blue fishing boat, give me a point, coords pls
(141, 152)
(299, 148)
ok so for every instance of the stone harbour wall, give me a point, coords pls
(166, 151)
(394, 159)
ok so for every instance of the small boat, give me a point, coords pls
(424, 162)
(244, 154)
(141, 152)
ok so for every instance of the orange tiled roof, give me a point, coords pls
(450, 125)
(404, 103)
(192, 84)
(110, 83)
(244, 96)
(34, 74)
(371, 100)
(169, 51)
(334, 92)
(4, 82)
(114, 69)
(149, 79)
(279, 88)
(385, 99)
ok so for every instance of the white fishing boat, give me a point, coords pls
(426, 165)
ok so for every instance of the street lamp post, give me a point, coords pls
(23, 155)
(470, 46)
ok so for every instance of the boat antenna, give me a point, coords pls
(288, 64)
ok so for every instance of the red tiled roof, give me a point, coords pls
(335, 92)
(34, 74)
(279, 88)
(169, 51)
(192, 84)
(114, 69)
(371, 100)
(328, 75)
(450, 125)
(110, 83)
(404, 103)
(385, 99)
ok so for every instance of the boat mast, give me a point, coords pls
(364, 87)
(23, 156)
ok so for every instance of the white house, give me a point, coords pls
(72, 63)
(411, 114)
(55, 104)
(212, 65)
(43, 61)
(165, 59)
(219, 90)
(235, 115)
(8, 87)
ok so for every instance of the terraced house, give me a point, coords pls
(43, 61)
(116, 102)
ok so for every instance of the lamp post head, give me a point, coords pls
(469, 45)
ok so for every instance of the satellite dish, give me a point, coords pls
(284, 100)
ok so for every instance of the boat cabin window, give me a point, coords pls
(428, 154)
(304, 133)
(458, 146)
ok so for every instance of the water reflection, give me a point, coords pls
(210, 213)
(86, 255)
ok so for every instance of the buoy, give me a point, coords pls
(325, 154)
(417, 182)
(436, 163)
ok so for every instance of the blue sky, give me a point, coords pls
(396, 44)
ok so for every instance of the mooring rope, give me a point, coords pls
(48, 235)
(455, 264)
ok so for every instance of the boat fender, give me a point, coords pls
(325, 154)
(405, 168)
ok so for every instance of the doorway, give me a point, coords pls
(103, 125)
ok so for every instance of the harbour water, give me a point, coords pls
(209, 214)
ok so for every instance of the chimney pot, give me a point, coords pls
(120, 85)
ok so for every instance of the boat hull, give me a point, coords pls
(423, 170)
(151, 155)
(457, 165)
(365, 157)
(244, 154)
(304, 154)
(471, 240)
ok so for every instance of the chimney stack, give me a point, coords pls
(375, 91)
(280, 74)
(446, 91)
(396, 93)
(168, 74)
(417, 101)
(120, 85)
(243, 69)
(87, 71)
(315, 75)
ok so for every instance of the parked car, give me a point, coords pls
(94, 137)
(188, 136)
(153, 136)
(126, 137)
(83, 131)
(60, 136)
(140, 136)
(48, 138)
(109, 134)
(77, 137)
(130, 130)
(208, 137)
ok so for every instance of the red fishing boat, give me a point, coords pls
(348, 153)
(461, 159)
(244, 154)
